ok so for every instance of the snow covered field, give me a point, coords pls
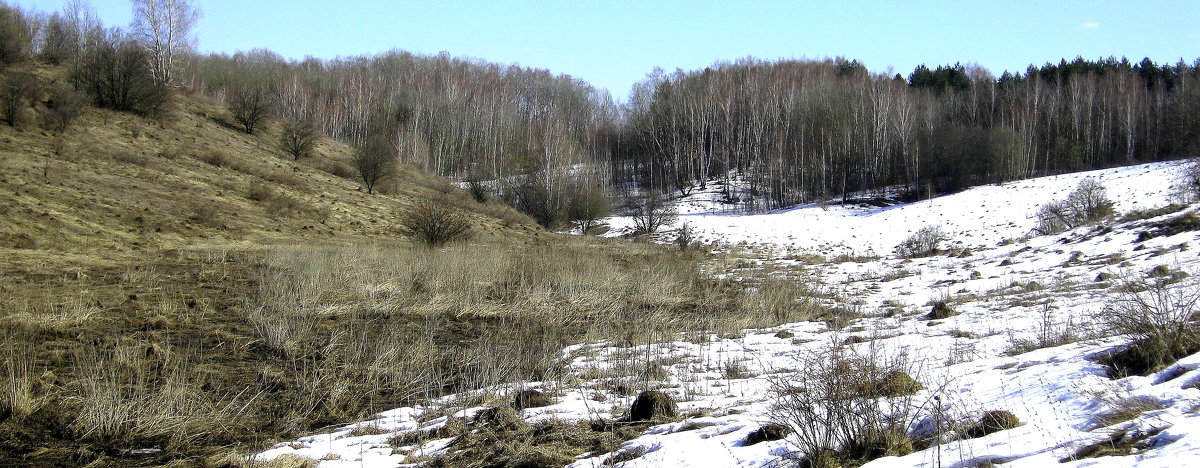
(1018, 299)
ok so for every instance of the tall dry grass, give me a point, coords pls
(371, 326)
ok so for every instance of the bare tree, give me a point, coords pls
(375, 160)
(251, 104)
(165, 28)
(298, 137)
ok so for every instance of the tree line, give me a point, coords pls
(796, 131)
(789, 131)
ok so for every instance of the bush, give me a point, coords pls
(298, 138)
(684, 237)
(18, 93)
(436, 224)
(837, 413)
(650, 211)
(923, 243)
(116, 72)
(1087, 204)
(1161, 314)
(375, 160)
(251, 105)
(65, 105)
(586, 207)
(479, 191)
(533, 197)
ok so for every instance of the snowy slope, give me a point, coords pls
(979, 216)
(1010, 289)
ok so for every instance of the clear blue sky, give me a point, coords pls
(612, 44)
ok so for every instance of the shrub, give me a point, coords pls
(923, 243)
(586, 207)
(14, 38)
(1087, 204)
(375, 160)
(298, 138)
(533, 196)
(250, 105)
(19, 91)
(65, 105)
(835, 411)
(116, 72)
(478, 190)
(1161, 314)
(436, 224)
(684, 237)
(650, 211)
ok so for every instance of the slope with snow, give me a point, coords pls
(1010, 289)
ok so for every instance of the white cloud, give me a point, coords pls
(1088, 25)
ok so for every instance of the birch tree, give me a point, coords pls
(165, 29)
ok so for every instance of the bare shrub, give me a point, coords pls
(436, 223)
(115, 71)
(251, 104)
(684, 237)
(16, 95)
(586, 207)
(1161, 315)
(479, 190)
(65, 105)
(1087, 204)
(923, 243)
(650, 211)
(836, 414)
(298, 138)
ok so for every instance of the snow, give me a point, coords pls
(1010, 289)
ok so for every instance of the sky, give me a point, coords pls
(613, 44)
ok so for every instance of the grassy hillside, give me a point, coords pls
(117, 182)
(130, 248)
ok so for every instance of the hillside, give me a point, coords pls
(132, 251)
(1023, 364)
(116, 182)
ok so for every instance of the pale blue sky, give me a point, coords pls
(612, 44)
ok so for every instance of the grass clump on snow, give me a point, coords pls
(847, 408)
(1161, 315)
